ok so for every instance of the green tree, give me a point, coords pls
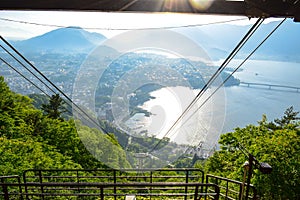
(290, 119)
(55, 107)
(279, 146)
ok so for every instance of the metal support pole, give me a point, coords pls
(251, 159)
(5, 191)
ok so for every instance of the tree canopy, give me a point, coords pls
(55, 107)
(276, 143)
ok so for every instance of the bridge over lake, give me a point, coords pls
(271, 86)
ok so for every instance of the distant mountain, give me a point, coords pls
(63, 40)
(219, 40)
(283, 44)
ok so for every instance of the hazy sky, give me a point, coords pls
(26, 24)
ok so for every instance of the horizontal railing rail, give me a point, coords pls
(186, 174)
(114, 190)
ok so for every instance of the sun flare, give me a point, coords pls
(201, 4)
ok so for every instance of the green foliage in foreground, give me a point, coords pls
(277, 143)
(18, 156)
(31, 139)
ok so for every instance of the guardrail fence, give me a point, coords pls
(231, 189)
(113, 184)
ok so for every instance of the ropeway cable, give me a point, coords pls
(215, 75)
(235, 70)
(123, 29)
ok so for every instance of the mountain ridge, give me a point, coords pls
(218, 41)
(62, 40)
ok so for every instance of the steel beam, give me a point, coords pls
(250, 8)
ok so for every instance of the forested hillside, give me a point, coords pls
(33, 139)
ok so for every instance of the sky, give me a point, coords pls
(27, 24)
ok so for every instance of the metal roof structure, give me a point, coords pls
(249, 8)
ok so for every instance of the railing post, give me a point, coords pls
(196, 192)
(186, 181)
(151, 174)
(77, 177)
(20, 188)
(226, 193)
(202, 180)
(217, 183)
(206, 188)
(41, 181)
(25, 185)
(217, 190)
(101, 193)
(115, 181)
(5, 191)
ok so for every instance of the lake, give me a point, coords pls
(230, 107)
